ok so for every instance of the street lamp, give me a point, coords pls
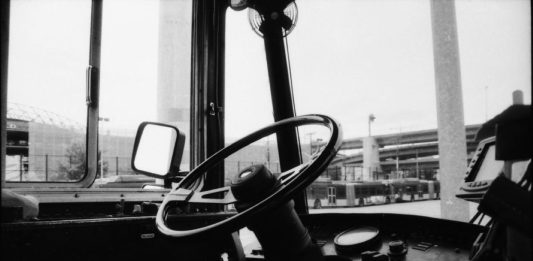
(371, 118)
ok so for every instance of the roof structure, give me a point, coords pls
(33, 114)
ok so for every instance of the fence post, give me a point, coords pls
(116, 165)
(46, 167)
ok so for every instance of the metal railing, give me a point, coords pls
(66, 168)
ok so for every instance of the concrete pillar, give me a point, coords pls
(174, 70)
(370, 157)
(451, 128)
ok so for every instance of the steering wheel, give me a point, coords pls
(291, 180)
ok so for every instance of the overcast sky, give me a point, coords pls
(348, 59)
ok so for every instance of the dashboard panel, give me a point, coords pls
(426, 238)
(126, 237)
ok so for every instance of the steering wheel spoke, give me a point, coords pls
(221, 195)
(180, 195)
(286, 176)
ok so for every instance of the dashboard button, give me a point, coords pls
(397, 248)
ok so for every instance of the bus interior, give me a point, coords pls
(266, 130)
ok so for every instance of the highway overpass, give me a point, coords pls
(410, 137)
(415, 148)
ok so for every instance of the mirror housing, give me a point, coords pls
(157, 150)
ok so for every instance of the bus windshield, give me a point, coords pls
(371, 65)
(376, 76)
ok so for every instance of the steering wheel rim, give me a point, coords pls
(292, 180)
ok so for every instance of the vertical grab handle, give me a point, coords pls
(88, 93)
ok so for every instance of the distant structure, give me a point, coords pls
(174, 72)
(414, 154)
(42, 144)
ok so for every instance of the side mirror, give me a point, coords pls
(157, 150)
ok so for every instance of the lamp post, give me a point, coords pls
(371, 118)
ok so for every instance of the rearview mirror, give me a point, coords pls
(157, 150)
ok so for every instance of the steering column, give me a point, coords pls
(280, 231)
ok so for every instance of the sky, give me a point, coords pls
(377, 57)
(348, 59)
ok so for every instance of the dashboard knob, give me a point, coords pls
(397, 248)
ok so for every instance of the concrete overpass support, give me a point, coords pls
(450, 115)
(174, 70)
(370, 158)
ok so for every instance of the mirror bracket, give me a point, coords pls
(174, 177)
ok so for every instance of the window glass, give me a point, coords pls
(376, 76)
(46, 117)
(371, 67)
(247, 92)
(145, 76)
(495, 48)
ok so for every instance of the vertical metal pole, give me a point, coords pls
(282, 100)
(94, 90)
(450, 115)
(46, 167)
(116, 165)
(4, 54)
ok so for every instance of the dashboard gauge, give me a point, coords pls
(357, 239)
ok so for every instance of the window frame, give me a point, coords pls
(58, 189)
(92, 91)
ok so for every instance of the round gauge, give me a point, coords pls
(357, 239)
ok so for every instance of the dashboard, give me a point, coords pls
(124, 238)
(425, 238)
